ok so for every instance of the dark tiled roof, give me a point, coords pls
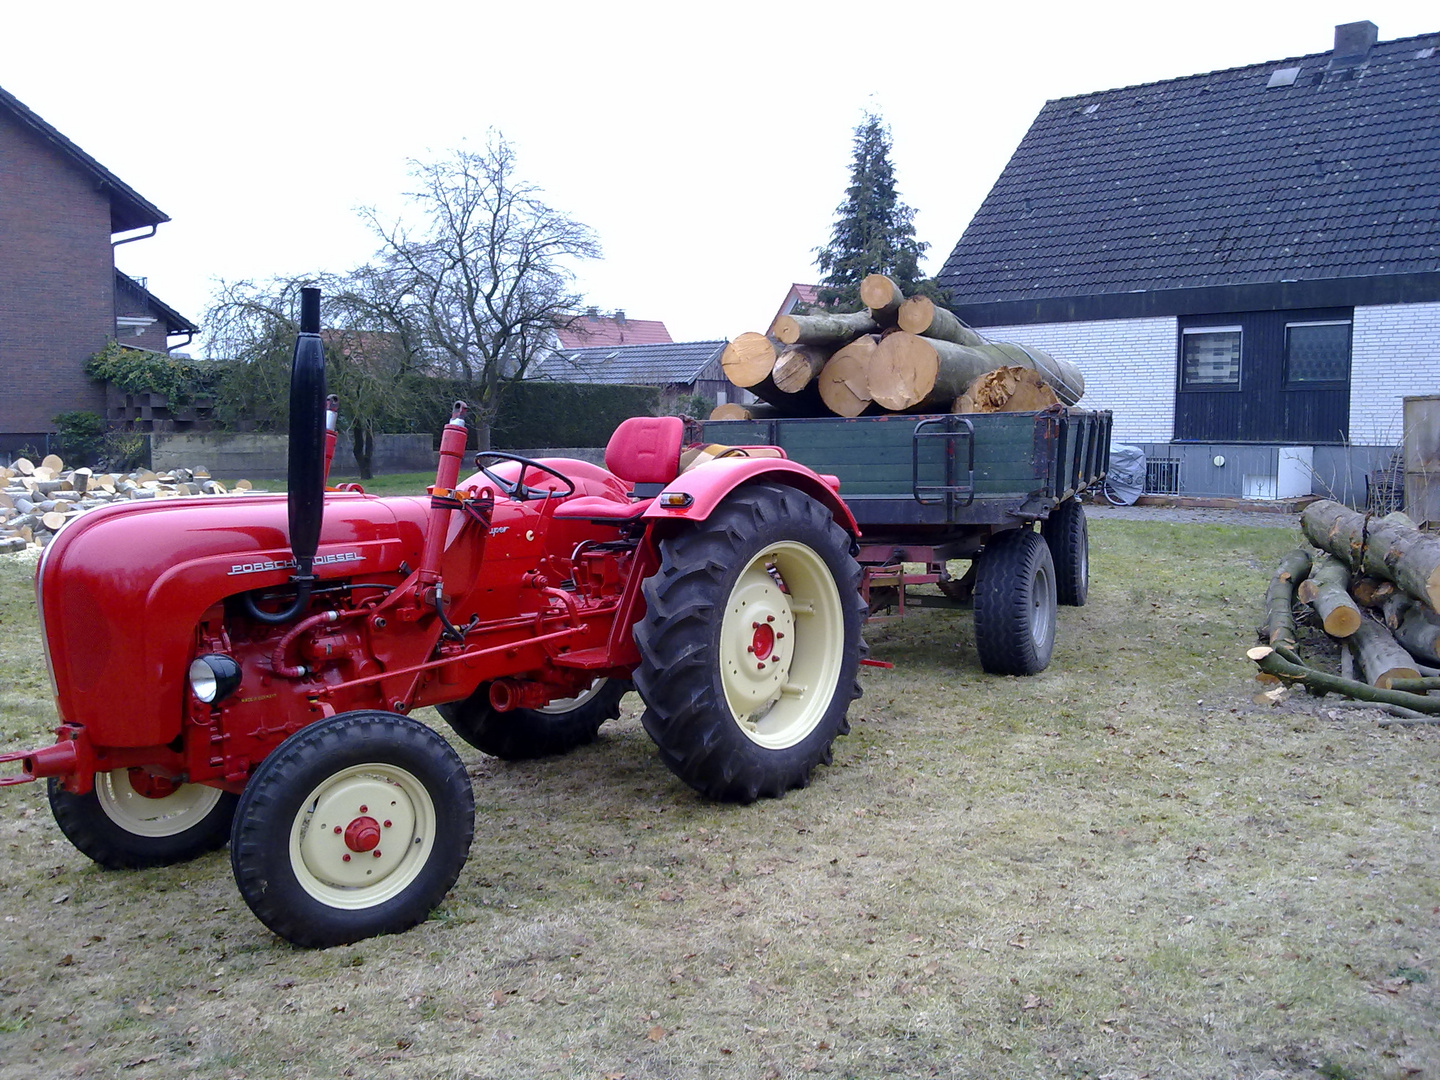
(175, 323)
(128, 208)
(632, 365)
(1218, 179)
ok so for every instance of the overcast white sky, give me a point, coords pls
(706, 144)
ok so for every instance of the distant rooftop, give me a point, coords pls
(592, 329)
(658, 364)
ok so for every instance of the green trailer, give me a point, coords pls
(1001, 490)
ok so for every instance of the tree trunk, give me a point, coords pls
(883, 297)
(1406, 556)
(844, 382)
(1327, 591)
(797, 366)
(921, 315)
(1372, 592)
(748, 359)
(730, 411)
(1279, 626)
(1380, 657)
(1416, 627)
(364, 442)
(823, 329)
(912, 373)
(1007, 389)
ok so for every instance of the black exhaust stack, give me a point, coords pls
(306, 473)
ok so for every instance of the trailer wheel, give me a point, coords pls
(1015, 604)
(133, 821)
(1068, 538)
(354, 826)
(522, 734)
(750, 645)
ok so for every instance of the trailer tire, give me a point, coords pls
(751, 643)
(523, 734)
(1068, 537)
(1015, 604)
(354, 826)
(121, 828)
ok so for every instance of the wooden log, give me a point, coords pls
(1007, 389)
(1372, 592)
(1406, 556)
(1415, 626)
(1279, 628)
(23, 466)
(1274, 662)
(845, 381)
(1379, 655)
(797, 366)
(1327, 591)
(748, 359)
(921, 315)
(913, 373)
(729, 411)
(828, 328)
(883, 297)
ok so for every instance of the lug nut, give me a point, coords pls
(345, 857)
(377, 852)
(387, 824)
(337, 828)
(364, 809)
(769, 618)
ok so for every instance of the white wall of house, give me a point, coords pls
(1129, 368)
(1394, 353)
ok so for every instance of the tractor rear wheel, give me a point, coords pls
(131, 820)
(522, 734)
(354, 826)
(750, 645)
(1015, 604)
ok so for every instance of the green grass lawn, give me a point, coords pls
(1122, 867)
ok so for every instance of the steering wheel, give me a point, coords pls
(516, 488)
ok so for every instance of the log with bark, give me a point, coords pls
(748, 360)
(921, 315)
(798, 365)
(826, 328)
(1006, 389)
(1416, 627)
(1372, 592)
(913, 373)
(1384, 548)
(1279, 628)
(1379, 656)
(1287, 667)
(1327, 591)
(883, 297)
(845, 381)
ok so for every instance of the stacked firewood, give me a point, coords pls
(893, 355)
(36, 501)
(1374, 586)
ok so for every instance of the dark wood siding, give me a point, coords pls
(1263, 409)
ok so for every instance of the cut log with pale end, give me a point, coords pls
(1327, 590)
(845, 381)
(1379, 655)
(1406, 556)
(52, 519)
(825, 328)
(1416, 627)
(729, 411)
(921, 315)
(1007, 389)
(1062, 376)
(883, 297)
(748, 359)
(54, 463)
(913, 373)
(23, 466)
(1279, 628)
(798, 365)
(1372, 592)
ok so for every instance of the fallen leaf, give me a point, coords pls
(496, 997)
(656, 1033)
(1032, 1001)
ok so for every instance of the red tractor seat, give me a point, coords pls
(645, 453)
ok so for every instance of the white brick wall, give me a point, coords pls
(1129, 368)
(1395, 353)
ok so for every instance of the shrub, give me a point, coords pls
(79, 436)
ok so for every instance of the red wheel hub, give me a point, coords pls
(362, 834)
(763, 643)
(149, 785)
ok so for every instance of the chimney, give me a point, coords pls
(1353, 42)
(592, 313)
(620, 316)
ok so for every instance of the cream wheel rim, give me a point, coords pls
(144, 815)
(362, 836)
(781, 645)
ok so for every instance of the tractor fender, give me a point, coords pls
(708, 484)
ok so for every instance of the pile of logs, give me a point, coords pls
(37, 500)
(1373, 586)
(894, 355)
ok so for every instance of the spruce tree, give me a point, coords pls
(874, 231)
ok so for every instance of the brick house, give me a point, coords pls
(61, 297)
(1245, 263)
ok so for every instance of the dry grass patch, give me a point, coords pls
(1119, 868)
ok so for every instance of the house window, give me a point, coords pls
(1210, 358)
(1317, 352)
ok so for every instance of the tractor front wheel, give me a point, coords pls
(131, 820)
(750, 645)
(354, 826)
(522, 734)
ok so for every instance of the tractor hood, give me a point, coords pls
(122, 589)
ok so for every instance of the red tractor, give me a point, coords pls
(243, 669)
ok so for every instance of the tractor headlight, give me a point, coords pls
(213, 677)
